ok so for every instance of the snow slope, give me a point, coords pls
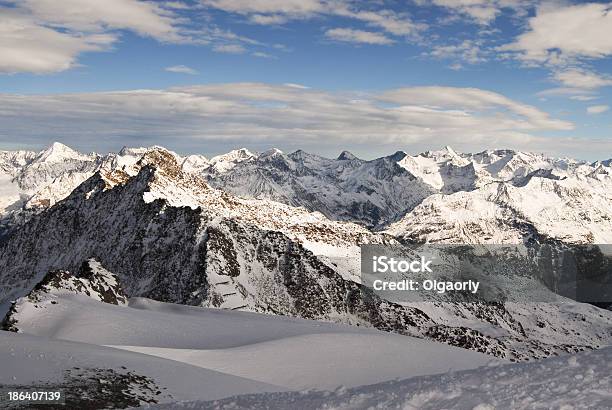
(582, 381)
(328, 360)
(167, 352)
(270, 349)
(40, 361)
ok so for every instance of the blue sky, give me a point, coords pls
(207, 76)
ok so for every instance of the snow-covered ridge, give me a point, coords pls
(372, 193)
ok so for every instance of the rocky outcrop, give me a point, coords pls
(92, 280)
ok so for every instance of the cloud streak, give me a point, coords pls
(348, 35)
(241, 113)
(271, 12)
(582, 79)
(481, 11)
(181, 69)
(597, 109)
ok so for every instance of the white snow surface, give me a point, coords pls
(582, 381)
(32, 360)
(280, 351)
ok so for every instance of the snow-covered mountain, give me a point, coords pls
(517, 197)
(87, 237)
(378, 192)
(515, 194)
(33, 181)
(170, 236)
(371, 193)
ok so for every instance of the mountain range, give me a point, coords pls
(389, 193)
(281, 234)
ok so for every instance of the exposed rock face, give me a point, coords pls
(170, 237)
(371, 193)
(92, 281)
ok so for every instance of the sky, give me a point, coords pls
(372, 77)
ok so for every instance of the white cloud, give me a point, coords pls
(481, 11)
(287, 7)
(272, 12)
(566, 91)
(177, 5)
(469, 51)
(279, 114)
(468, 100)
(597, 109)
(269, 19)
(391, 22)
(582, 79)
(144, 18)
(182, 69)
(583, 97)
(38, 36)
(578, 83)
(357, 36)
(28, 46)
(564, 37)
(261, 54)
(293, 85)
(558, 34)
(229, 48)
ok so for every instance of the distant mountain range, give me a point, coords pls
(280, 234)
(519, 188)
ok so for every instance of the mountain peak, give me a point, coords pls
(270, 153)
(398, 156)
(346, 156)
(161, 159)
(225, 162)
(236, 155)
(57, 152)
(132, 151)
(450, 151)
